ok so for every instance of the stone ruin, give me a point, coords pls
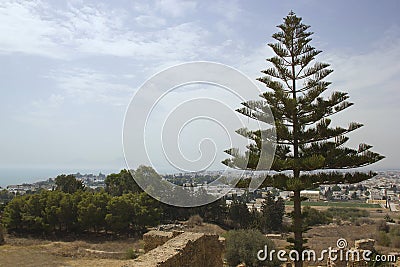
(155, 239)
(184, 249)
(365, 244)
(360, 246)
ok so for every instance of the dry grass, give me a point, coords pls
(25, 251)
(35, 252)
(206, 228)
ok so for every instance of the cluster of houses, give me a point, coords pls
(89, 180)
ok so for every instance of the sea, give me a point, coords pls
(12, 176)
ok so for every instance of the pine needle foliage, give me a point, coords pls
(309, 150)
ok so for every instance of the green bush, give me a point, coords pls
(242, 247)
(1, 235)
(313, 217)
(382, 226)
(394, 230)
(349, 214)
(388, 218)
(383, 239)
(395, 241)
(131, 254)
(59, 212)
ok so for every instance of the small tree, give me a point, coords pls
(121, 183)
(305, 139)
(11, 217)
(272, 214)
(239, 214)
(68, 183)
(120, 213)
(1, 235)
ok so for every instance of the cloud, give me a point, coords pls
(36, 28)
(370, 76)
(175, 8)
(42, 112)
(24, 29)
(150, 21)
(229, 11)
(54, 101)
(86, 85)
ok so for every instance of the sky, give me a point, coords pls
(70, 68)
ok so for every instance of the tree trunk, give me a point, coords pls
(297, 226)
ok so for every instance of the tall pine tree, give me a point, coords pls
(305, 141)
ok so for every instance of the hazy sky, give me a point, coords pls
(70, 68)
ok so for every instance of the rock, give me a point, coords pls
(185, 250)
(364, 244)
(154, 239)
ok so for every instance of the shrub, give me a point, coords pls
(314, 217)
(362, 221)
(131, 254)
(388, 218)
(242, 247)
(394, 230)
(348, 214)
(1, 235)
(395, 242)
(383, 239)
(195, 220)
(382, 226)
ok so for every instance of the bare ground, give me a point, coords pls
(20, 251)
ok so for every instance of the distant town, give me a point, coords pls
(382, 190)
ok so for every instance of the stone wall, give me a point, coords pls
(155, 239)
(185, 250)
(366, 244)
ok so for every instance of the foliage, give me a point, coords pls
(389, 219)
(242, 247)
(272, 214)
(131, 254)
(383, 239)
(239, 215)
(336, 188)
(120, 209)
(394, 230)
(68, 183)
(5, 197)
(313, 217)
(57, 212)
(121, 183)
(382, 226)
(1, 235)
(362, 221)
(12, 215)
(388, 236)
(395, 241)
(92, 210)
(347, 213)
